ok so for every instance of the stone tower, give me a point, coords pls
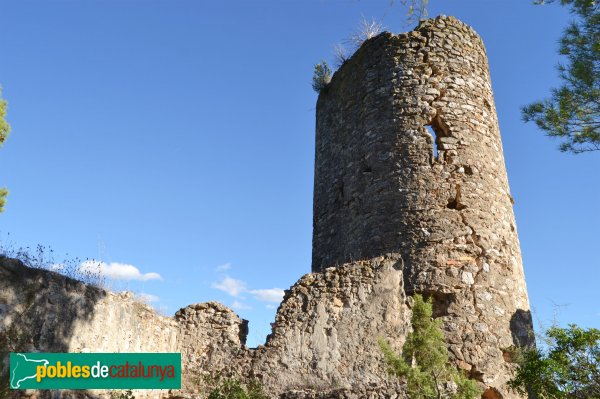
(409, 162)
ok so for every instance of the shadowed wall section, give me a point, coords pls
(324, 336)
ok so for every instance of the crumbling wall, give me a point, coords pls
(409, 161)
(211, 341)
(326, 330)
(53, 313)
(324, 336)
(396, 211)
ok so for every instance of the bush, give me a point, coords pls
(232, 388)
(321, 76)
(424, 362)
(339, 54)
(367, 29)
(568, 368)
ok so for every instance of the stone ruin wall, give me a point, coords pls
(323, 343)
(381, 188)
(390, 219)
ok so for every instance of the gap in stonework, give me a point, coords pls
(434, 137)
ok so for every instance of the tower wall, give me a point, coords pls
(440, 200)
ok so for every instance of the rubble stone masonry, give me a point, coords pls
(409, 161)
(411, 196)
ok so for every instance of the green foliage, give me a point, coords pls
(573, 110)
(4, 131)
(232, 388)
(568, 369)
(3, 194)
(4, 126)
(321, 76)
(424, 363)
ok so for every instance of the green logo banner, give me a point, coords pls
(95, 370)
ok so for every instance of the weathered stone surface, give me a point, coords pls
(326, 329)
(380, 186)
(59, 314)
(211, 339)
(324, 336)
(391, 217)
(361, 392)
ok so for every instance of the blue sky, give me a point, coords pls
(178, 137)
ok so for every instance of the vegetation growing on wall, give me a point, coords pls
(42, 257)
(424, 362)
(321, 76)
(233, 388)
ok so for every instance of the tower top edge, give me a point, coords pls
(447, 26)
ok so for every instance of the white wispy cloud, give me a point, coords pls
(235, 288)
(223, 268)
(269, 306)
(149, 298)
(240, 306)
(117, 271)
(230, 285)
(273, 295)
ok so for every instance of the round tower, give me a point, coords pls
(409, 162)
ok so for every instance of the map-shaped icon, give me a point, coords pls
(24, 369)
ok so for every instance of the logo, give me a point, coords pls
(95, 370)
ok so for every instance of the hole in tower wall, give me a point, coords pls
(437, 129)
(441, 302)
(243, 332)
(434, 137)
